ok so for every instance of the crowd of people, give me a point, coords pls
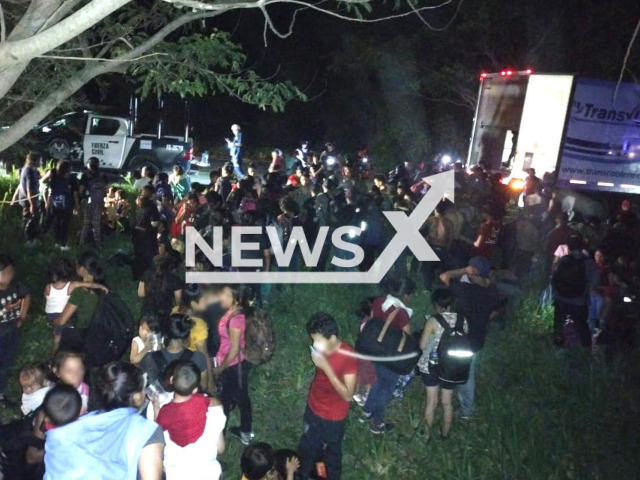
(165, 410)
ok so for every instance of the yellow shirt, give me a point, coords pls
(199, 331)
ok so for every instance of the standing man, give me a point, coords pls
(27, 195)
(477, 299)
(329, 396)
(235, 150)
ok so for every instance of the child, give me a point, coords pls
(193, 426)
(69, 368)
(34, 385)
(260, 462)
(58, 291)
(142, 344)
(110, 199)
(62, 405)
(123, 207)
(443, 302)
(15, 301)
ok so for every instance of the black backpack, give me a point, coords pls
(380, 339)
(454, 352)
(165, 368)
(570, 277)
(109, 333)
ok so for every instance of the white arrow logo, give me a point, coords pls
(407, 235)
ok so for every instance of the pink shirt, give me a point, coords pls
(231, 319)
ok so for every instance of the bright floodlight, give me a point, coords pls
(331, 160)
(365, 160)
(446, 159)
(627, 300)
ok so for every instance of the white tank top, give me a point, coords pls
(57, 299)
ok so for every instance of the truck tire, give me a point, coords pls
(138, 163)
(58, 148)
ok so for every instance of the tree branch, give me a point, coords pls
(92, 70)
(91, 59)
(20, 51)
(3, 26)
(626, 59)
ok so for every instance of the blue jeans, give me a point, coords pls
(237, 167)
(595, 306)
(467, 391)
(381, 393)
(8, 347)
(319, 432)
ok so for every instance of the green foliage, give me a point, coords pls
(198, 65)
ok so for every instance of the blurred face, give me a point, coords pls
(6, 275)
(71, 372)
(320, 343)
(252, 172)
(81, 271)
(235, 129)
(143, 330)
(29, 385)
(226, 298)
(304, 181)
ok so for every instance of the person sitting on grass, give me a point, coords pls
(148, 326)
(112, 442)
(58, 291)
(81, 304)
(329, 396)
(260, 462)
(193, 426)
(61, 406)
(34, 384)
(442, 301)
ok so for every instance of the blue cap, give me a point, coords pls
(482, 265)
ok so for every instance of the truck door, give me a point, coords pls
(105, 139)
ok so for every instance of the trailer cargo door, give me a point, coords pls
(601, 150)
(543, 120)
(498, 116)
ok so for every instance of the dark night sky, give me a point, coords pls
(579, 36)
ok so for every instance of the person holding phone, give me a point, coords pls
(235, 150)
(329, 397)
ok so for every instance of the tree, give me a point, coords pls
(55, 47)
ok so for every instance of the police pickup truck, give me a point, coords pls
(79, 136)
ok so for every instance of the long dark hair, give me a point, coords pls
(91, 262)
(117, 383)
(157, 293)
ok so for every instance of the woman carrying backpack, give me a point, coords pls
(442, 301)
(82, 303)
(62, 199)
(231, 368)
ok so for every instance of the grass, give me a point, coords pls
(542, 413)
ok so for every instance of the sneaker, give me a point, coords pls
(245, 438)
(366, 417)
(361, 400)
(380, 428)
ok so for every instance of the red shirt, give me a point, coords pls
(490, 232)
(324, 401)
(402, 318)
(185, 421)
